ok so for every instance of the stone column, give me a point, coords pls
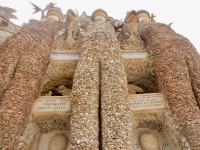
(115, 115)
(85, 103)
(30, 50)
(177, 67)
(100, 88)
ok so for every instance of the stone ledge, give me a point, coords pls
(130, 55)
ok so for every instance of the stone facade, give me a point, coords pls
(94, 82)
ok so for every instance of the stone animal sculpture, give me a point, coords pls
(9, 12)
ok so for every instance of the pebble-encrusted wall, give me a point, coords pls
(177, 67)
(24, 59)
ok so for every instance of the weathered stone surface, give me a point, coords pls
(177, 67)
(100, 105)
(24, 59)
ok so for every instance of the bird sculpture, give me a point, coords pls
(10, 12)
(37, 9)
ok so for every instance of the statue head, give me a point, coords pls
(131, 17)
(148, 141)
(143, 16)
(99, 15)
(54, 14)
(58, 142)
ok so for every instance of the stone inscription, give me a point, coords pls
(76, 56)
(138, 102)
(146, 101)
(48, 104)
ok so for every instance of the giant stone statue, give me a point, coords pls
(99, 94)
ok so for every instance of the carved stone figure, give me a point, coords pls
(70, 40)
(54, 14)
(143, 16)
(7, 28)
(30, 138)
(99, 104)
(35, 143)
(7, 12)
(65, 91)
(133, 89)
(117, 24)
(129, 38)
(58, 142)
(148, 141)
(152, 18)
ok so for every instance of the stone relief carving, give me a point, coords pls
(129, 38)
(58, 142)
(54, 140)
(62, 90)
(151, 124)
(133, 89)
(160, 121)
(29, 139)
(148, 141)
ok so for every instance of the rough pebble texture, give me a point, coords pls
(24, 59)
(100, 84)
(177, 67)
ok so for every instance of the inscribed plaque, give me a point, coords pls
(146, 101)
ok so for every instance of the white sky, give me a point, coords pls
(182, 13)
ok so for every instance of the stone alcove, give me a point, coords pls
(58, 78)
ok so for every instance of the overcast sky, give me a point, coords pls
(182, 13)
